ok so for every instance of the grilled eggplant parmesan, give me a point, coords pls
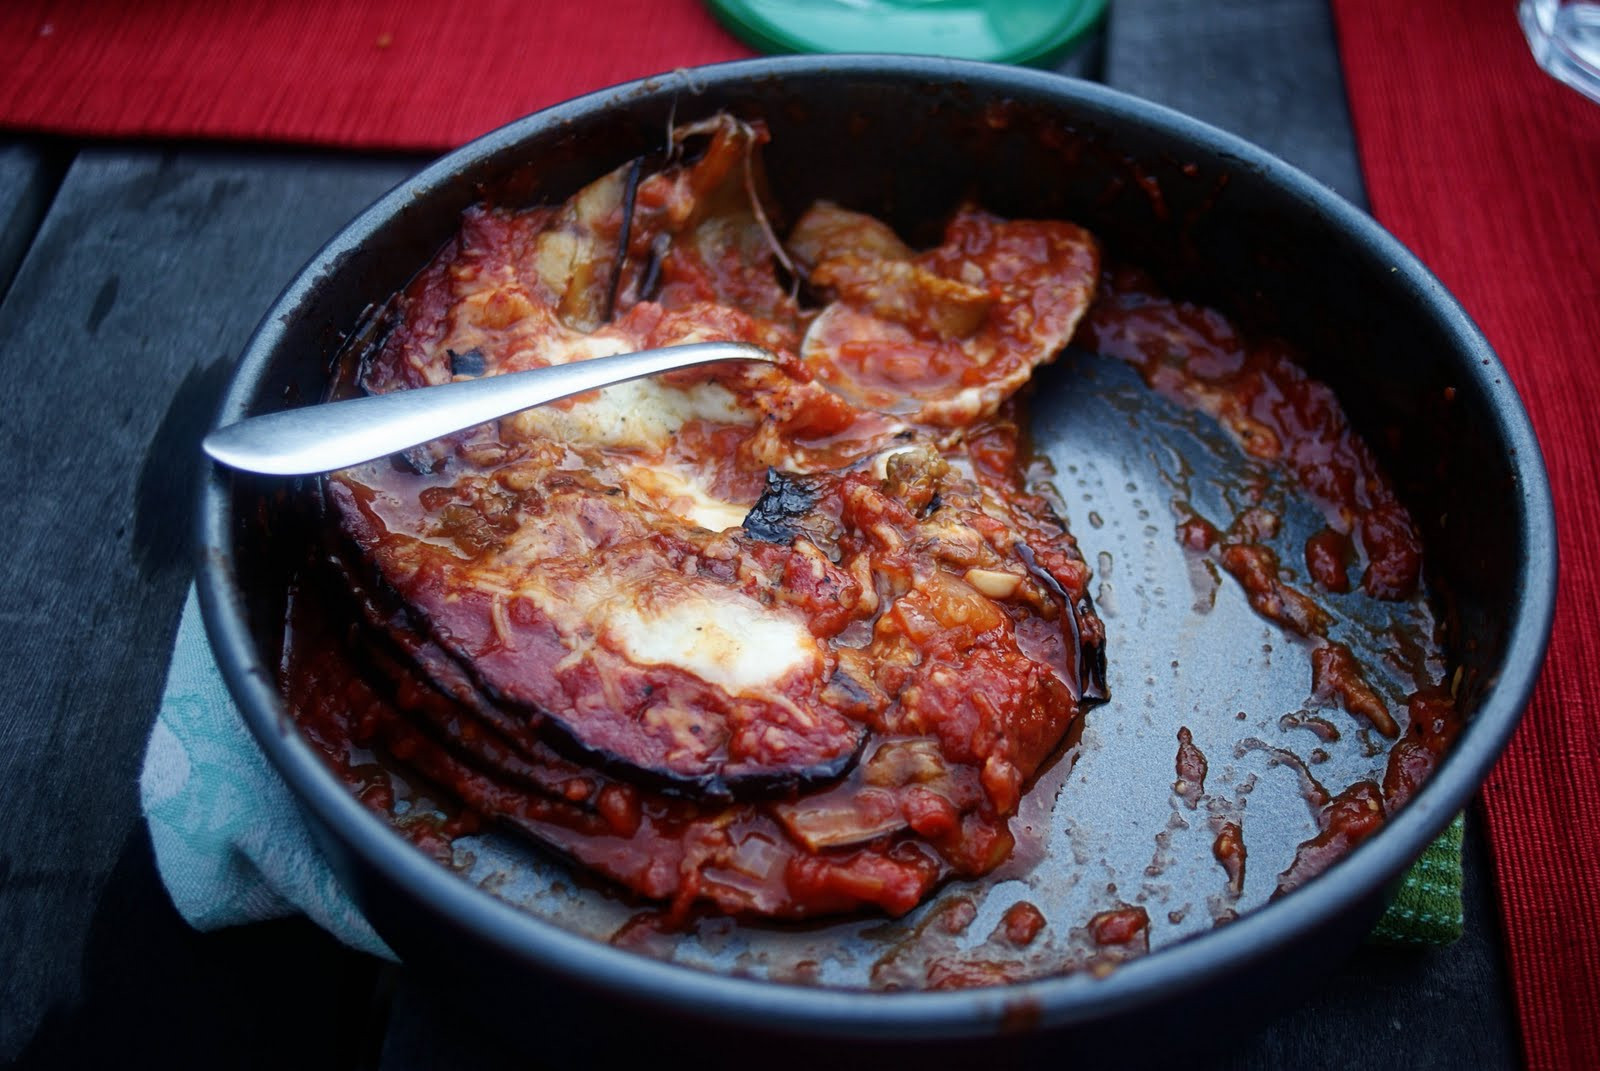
(779, 640)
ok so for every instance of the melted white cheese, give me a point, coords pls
(721, 636)
(681, 495)
(639, 415)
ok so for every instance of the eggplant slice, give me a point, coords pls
(800, 649)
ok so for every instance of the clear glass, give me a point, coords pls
(1565, 38)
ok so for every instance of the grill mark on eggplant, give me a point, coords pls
(389, 617)
(387, 625)
(365, 342)
(720, 787)
(650, 278)
(1092, 657)
(1089, 657)
(728, 783)
(630, 195)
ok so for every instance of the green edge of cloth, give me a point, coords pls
(232, 846)
(1427, 909)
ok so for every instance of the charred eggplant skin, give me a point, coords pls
(784, 503)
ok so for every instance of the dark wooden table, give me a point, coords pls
(131, 276)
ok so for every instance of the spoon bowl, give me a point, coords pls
(336, 435)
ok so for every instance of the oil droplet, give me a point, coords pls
(1106, 599)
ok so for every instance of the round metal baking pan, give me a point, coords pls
(1214, 219)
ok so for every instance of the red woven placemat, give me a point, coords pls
(1490, 171)
(389, 74)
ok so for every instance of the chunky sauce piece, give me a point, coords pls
(1275, 412)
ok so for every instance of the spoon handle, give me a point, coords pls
(334, 435)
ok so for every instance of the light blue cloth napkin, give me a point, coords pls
(230, 841)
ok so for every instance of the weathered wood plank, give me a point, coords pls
(28, 176)
(1267, 70)
(141, 286)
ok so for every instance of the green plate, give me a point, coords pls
(1000, 31)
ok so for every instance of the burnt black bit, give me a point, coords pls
(650, 278)
(688, 151)
(853, 692)
(352, 362)
(858, 698)
(630, 196)
(471, 363)
(424, 460)
(1054, 509)
(933, 505)
(776, 517)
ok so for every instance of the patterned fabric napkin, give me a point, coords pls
(232, 846)
(229, 838)
(1427, 909)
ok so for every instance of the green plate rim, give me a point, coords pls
(762, 34)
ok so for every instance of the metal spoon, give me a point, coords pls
(334, 435)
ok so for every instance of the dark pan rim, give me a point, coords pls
(1048, 1002)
